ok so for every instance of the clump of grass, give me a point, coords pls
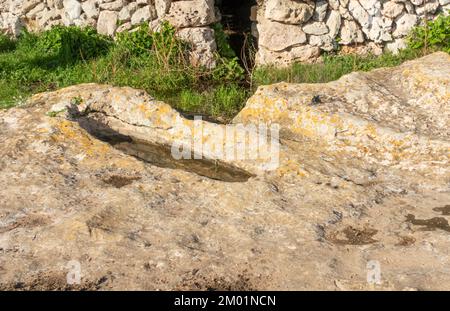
(191, 101)
(222, 102)
(6, 43)
(230, 98)
(332, 68)
(71, 44)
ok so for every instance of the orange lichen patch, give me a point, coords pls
(68, 131)
(73, 230)
(371, 131)
(160, 114)
(335, 119)
(291, 167)
(310, 123)
(397, 144)
(42, 130)
(142, 107)
(164, 109)
(359, 138)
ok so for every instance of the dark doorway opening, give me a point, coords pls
(237, 24)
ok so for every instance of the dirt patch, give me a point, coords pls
(405, 241)
(429, 224)
(105, 220)
(444, 210)
(241, 282)
(353, 236)
(53, 281)
(28, 221)
(120, 181)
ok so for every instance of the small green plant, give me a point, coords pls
(228, 100)
(228, 66)
(190, 100)
(138, 42)
(167, 47)
(222, 41)
(228, 70)
(72, 43)
(76, 100)
(27, 41)
(162, 44)
(433, 35)
(53, 114)
(6, 43)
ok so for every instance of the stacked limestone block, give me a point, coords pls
(191, 17)
(291, 30)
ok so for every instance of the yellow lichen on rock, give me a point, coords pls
(70, 133)
(392, 116)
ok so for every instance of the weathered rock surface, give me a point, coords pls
(289, 11)
(203, 45)
(191, 13)
(363, 179)
(398, 120)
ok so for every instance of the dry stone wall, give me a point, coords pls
(291, 30)
(286, 30)
(191, 17)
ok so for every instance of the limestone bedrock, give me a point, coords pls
(363, 178)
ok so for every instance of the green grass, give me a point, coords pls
(156, 62)
(33, 64)
(6, 43)
(332, 67)
(221, 102)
